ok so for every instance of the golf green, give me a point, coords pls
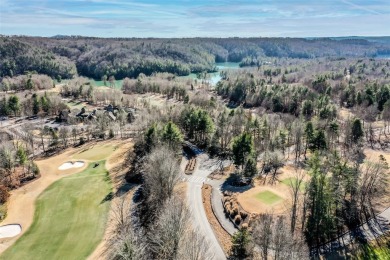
(268, 197)
(95, 153)
(70, 218)
(293, 181)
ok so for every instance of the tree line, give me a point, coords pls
(96, 57)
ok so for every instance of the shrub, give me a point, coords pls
(243, 214)
(35, 169)
(234, 211)
(228, 209)
(82, 141)
(237, 219)
(111, 133)
(4, 194)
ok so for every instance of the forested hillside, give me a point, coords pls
(18, 57)
(120, 57)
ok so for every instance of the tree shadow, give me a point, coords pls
(237, 183)
(108, 197)
(188, 153)
(124, 188)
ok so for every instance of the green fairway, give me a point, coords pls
(95, 153)
(69, 220)
(293, 180)
(268, 197)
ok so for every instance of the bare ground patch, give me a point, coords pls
(381, 203)
(223, 237)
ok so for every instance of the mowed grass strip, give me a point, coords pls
(268, 197)
(95, 153)
(293, 181)
(69, 220)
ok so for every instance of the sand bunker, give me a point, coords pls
(10, 230)
(70, 165)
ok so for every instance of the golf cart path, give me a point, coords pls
(218, 208)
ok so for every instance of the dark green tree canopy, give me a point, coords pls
(242, 148)
(357, 130)
(172, 135)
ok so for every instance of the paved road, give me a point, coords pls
(194, 195)
(368, 231)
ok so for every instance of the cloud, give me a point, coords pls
(175, 18)
(361, 7)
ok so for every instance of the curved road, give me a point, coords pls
(194, 196)
(370, 230)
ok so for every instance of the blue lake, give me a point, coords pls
(212, 78)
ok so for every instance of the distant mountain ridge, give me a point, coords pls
(65, 56)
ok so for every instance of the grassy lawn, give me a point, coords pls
(293, 180)
(95, 153)
(75, 105)
(268, 197)
(69, 218)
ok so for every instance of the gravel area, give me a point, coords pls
(224, 237)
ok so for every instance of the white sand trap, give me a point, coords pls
(10, 230)
(70, 165)
(78, 164)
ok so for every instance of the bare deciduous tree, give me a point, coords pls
(125, 243)
(274, 239)
(173, 236)
(373, 183)
(161, 173)
(194, 246)
(295, 185)
(262, 234)
(63, 133)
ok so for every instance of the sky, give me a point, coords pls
(196, 18)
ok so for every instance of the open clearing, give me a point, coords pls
(69, 220)
(268, 197)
